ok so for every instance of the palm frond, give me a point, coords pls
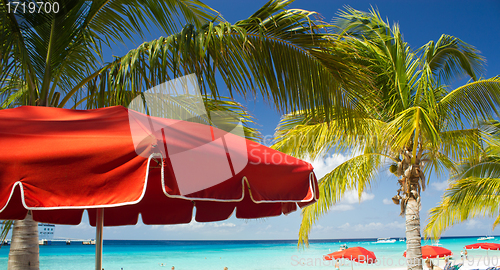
(410, 125)
(229, 113)
(364, 25)
(461, 144)
(476, 195)
(437, 162)
(450, 57)
(477, 99)
(492, 127)
(280, 57)
(55, 51)
(357, 173)
(304, 135)
(6, 226)
(116, 19)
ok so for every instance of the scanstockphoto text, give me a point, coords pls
(472, 261)
(267, 157)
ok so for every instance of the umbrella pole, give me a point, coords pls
(98, 238)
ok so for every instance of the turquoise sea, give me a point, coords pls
(236, 255)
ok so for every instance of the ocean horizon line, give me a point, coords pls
(290, 240)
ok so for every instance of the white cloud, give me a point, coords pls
(193, 225)
(352, 197)
(345, 226)
(341, 207)
(473, 224)
(387, 201)
(326, 165)
(318, 227)
(216, 225)
(440, 185)
(82, 226)
(372, 226)
(396, 225)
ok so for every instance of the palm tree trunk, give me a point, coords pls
(413, 238)
(24, 248)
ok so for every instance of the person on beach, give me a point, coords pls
(431, 266)
(337, 265)
(466, 257)
(447, 263)
(462, 255)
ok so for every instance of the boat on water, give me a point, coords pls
(402, 240)
(46, 231)
(485, 238)
(385, 240)
(437, 244)
(89, 242)
(45, 234)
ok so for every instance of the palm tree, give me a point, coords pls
(473, 189)
(54, 59)
(43, 55)
(416, 124)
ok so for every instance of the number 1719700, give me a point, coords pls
(32, 7)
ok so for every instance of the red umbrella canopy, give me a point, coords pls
(488, 246)
(59, 162)
(357, 254)
(433, 252)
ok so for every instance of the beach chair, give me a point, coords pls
(455, 267)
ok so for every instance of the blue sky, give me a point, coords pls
(475, 22)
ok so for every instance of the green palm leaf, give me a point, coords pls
(304, 135)
(468, 198)
(450, 57)
(480, 98)
(55, 51)
(274, 57)
(357, 173)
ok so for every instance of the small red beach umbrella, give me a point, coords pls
(117, 163)
(357, 254)
(433, 252)
(487, 246)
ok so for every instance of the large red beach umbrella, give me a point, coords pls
(357, 254)
(433, 252)
(59, 162)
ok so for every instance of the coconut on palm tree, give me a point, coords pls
(415, 124)
(474, 187)
(55, 59)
